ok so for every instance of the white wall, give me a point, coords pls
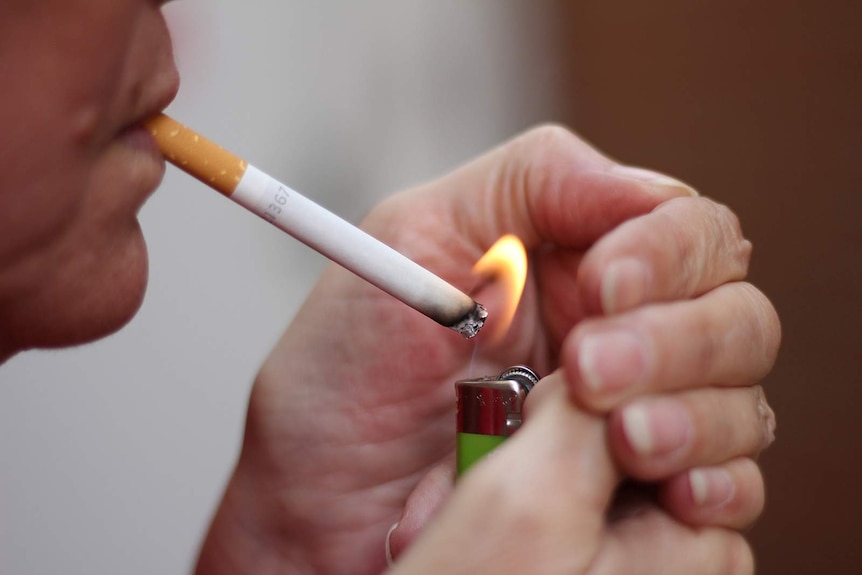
(114, 454)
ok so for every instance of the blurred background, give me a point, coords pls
(114, 454)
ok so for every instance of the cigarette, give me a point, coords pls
(318, 228)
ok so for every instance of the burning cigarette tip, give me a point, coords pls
(470, 324)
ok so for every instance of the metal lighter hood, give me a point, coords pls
(490, 409)
(493, 405)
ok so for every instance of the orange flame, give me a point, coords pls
(506, 261)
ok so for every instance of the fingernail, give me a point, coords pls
(711, 487)
(625, 284)
(651, 177)
(656, 427)
(389, 560)
(612, 360)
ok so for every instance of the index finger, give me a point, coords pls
(545, 186)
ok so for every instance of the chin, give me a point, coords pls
(111, 312)
(114, 299)
(90, 298)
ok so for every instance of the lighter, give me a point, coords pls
(489, 410)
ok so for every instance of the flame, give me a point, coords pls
(505, 262)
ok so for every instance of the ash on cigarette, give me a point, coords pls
(470, 324)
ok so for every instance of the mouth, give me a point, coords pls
(143, 161)
(137, 138)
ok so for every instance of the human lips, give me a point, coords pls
(136, 149)
(141, 141)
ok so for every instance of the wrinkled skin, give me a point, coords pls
(74, 171)
(355, 404)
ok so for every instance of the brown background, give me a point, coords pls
(759, 105)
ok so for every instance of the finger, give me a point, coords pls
(558, 449)
(545, 186)
(553, 424)
(654, 544)
(520, 506)
(729, 495)
(659, 436)
(568, 441)
(421, 506)
(728, 337)
(683, 248)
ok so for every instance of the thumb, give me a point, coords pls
(430, 494)
(524, 505)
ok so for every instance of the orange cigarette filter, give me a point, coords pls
(196, 155)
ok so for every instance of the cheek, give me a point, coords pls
(40, 200)
(73, 263)
(66, 58)
(44, 181)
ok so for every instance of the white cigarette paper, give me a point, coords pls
(320, 229)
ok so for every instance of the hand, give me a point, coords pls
(665, 315)
(354, 406)
(531, 507)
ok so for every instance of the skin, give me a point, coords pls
(611, 249)
(571, 532)
(73, 175)
(391, 415)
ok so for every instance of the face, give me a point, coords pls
(75, 168)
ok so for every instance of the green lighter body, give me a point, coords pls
(490, 409)
(472, 447)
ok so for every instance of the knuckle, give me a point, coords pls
(536, 156)
(548, 138)
(735, 244)
(728, 218)
(745, 426)
(705, 241)
(766, 327)
(766, 417)
(685, 245)
(540, 150)
(685, 248)
(534, 172)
